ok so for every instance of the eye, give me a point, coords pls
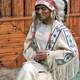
(37, 8)
(44, 8)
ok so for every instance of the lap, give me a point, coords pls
(38, 69)
(29, 65)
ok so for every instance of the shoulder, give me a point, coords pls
(58, 25)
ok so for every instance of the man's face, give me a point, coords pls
(42, 12)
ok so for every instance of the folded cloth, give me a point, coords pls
(67, 57)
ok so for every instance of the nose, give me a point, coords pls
(40, 11)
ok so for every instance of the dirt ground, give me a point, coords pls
(8, 74)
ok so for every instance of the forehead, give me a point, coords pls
(41, 5)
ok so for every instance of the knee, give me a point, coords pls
(28, 66)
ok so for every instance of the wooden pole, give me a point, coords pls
(17, 8)
(5, 8)
(28, 7)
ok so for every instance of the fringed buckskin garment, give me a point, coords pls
(62, 62)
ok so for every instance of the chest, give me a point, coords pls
(43, 32)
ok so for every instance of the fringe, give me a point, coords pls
(66, 71)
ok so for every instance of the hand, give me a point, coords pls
(40, 55)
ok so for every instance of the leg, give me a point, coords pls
(34, 71)
(27, 72)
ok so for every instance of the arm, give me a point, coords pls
(64, 48)
(28, 52)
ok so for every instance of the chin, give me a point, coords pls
(42, 18)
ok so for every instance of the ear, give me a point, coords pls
(53, 14)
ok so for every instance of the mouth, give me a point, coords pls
(41, 17)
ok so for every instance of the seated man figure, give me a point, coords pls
(49, 48)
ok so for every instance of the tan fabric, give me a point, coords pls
(30, 71)
(48, 69)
